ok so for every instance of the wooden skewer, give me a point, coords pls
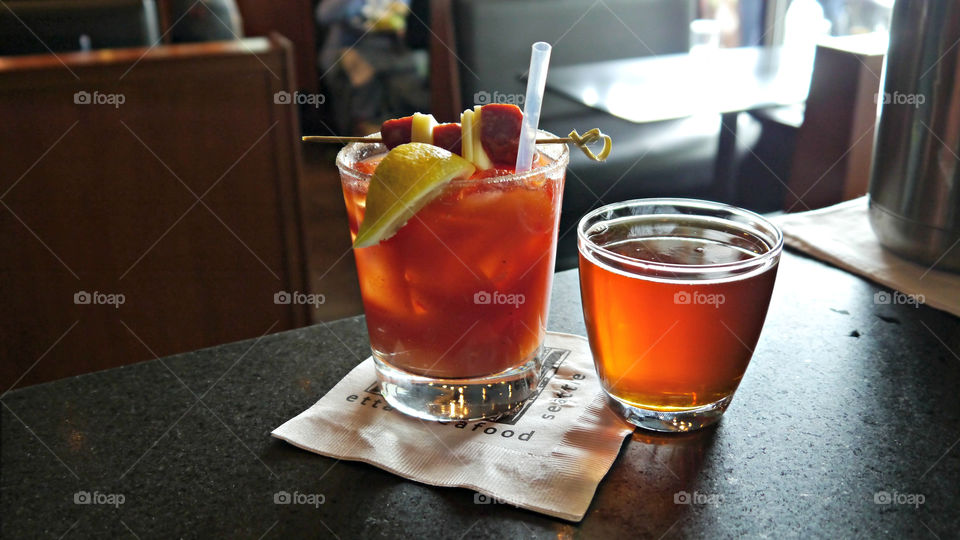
(345, 140)
(580, 141)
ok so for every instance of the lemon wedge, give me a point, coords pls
(409, 177)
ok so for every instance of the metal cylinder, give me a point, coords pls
(915, 179)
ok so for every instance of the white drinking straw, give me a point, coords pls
(536, 81)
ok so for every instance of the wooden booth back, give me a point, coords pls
(148, 204)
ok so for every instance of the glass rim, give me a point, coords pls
(760, 260)
(560, 162)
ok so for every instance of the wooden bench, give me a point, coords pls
(169, 176)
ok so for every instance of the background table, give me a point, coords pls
(671, 86)
(845, 401)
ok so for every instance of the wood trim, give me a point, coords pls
(445, 102)
(213, 52)
(294, 19)
(164, 19)
(288, 142)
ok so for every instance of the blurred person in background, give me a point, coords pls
(366, 65)
(727, 15)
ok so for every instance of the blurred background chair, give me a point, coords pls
(834, 144)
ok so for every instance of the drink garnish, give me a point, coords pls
(421, 128)
(408, 177)
(472, 133)
(581, 141)
(487, 136)
(500, 133)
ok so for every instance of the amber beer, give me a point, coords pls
(675, 293)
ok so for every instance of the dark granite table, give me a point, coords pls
(847, 405)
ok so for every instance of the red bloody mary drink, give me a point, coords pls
(456, 299)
